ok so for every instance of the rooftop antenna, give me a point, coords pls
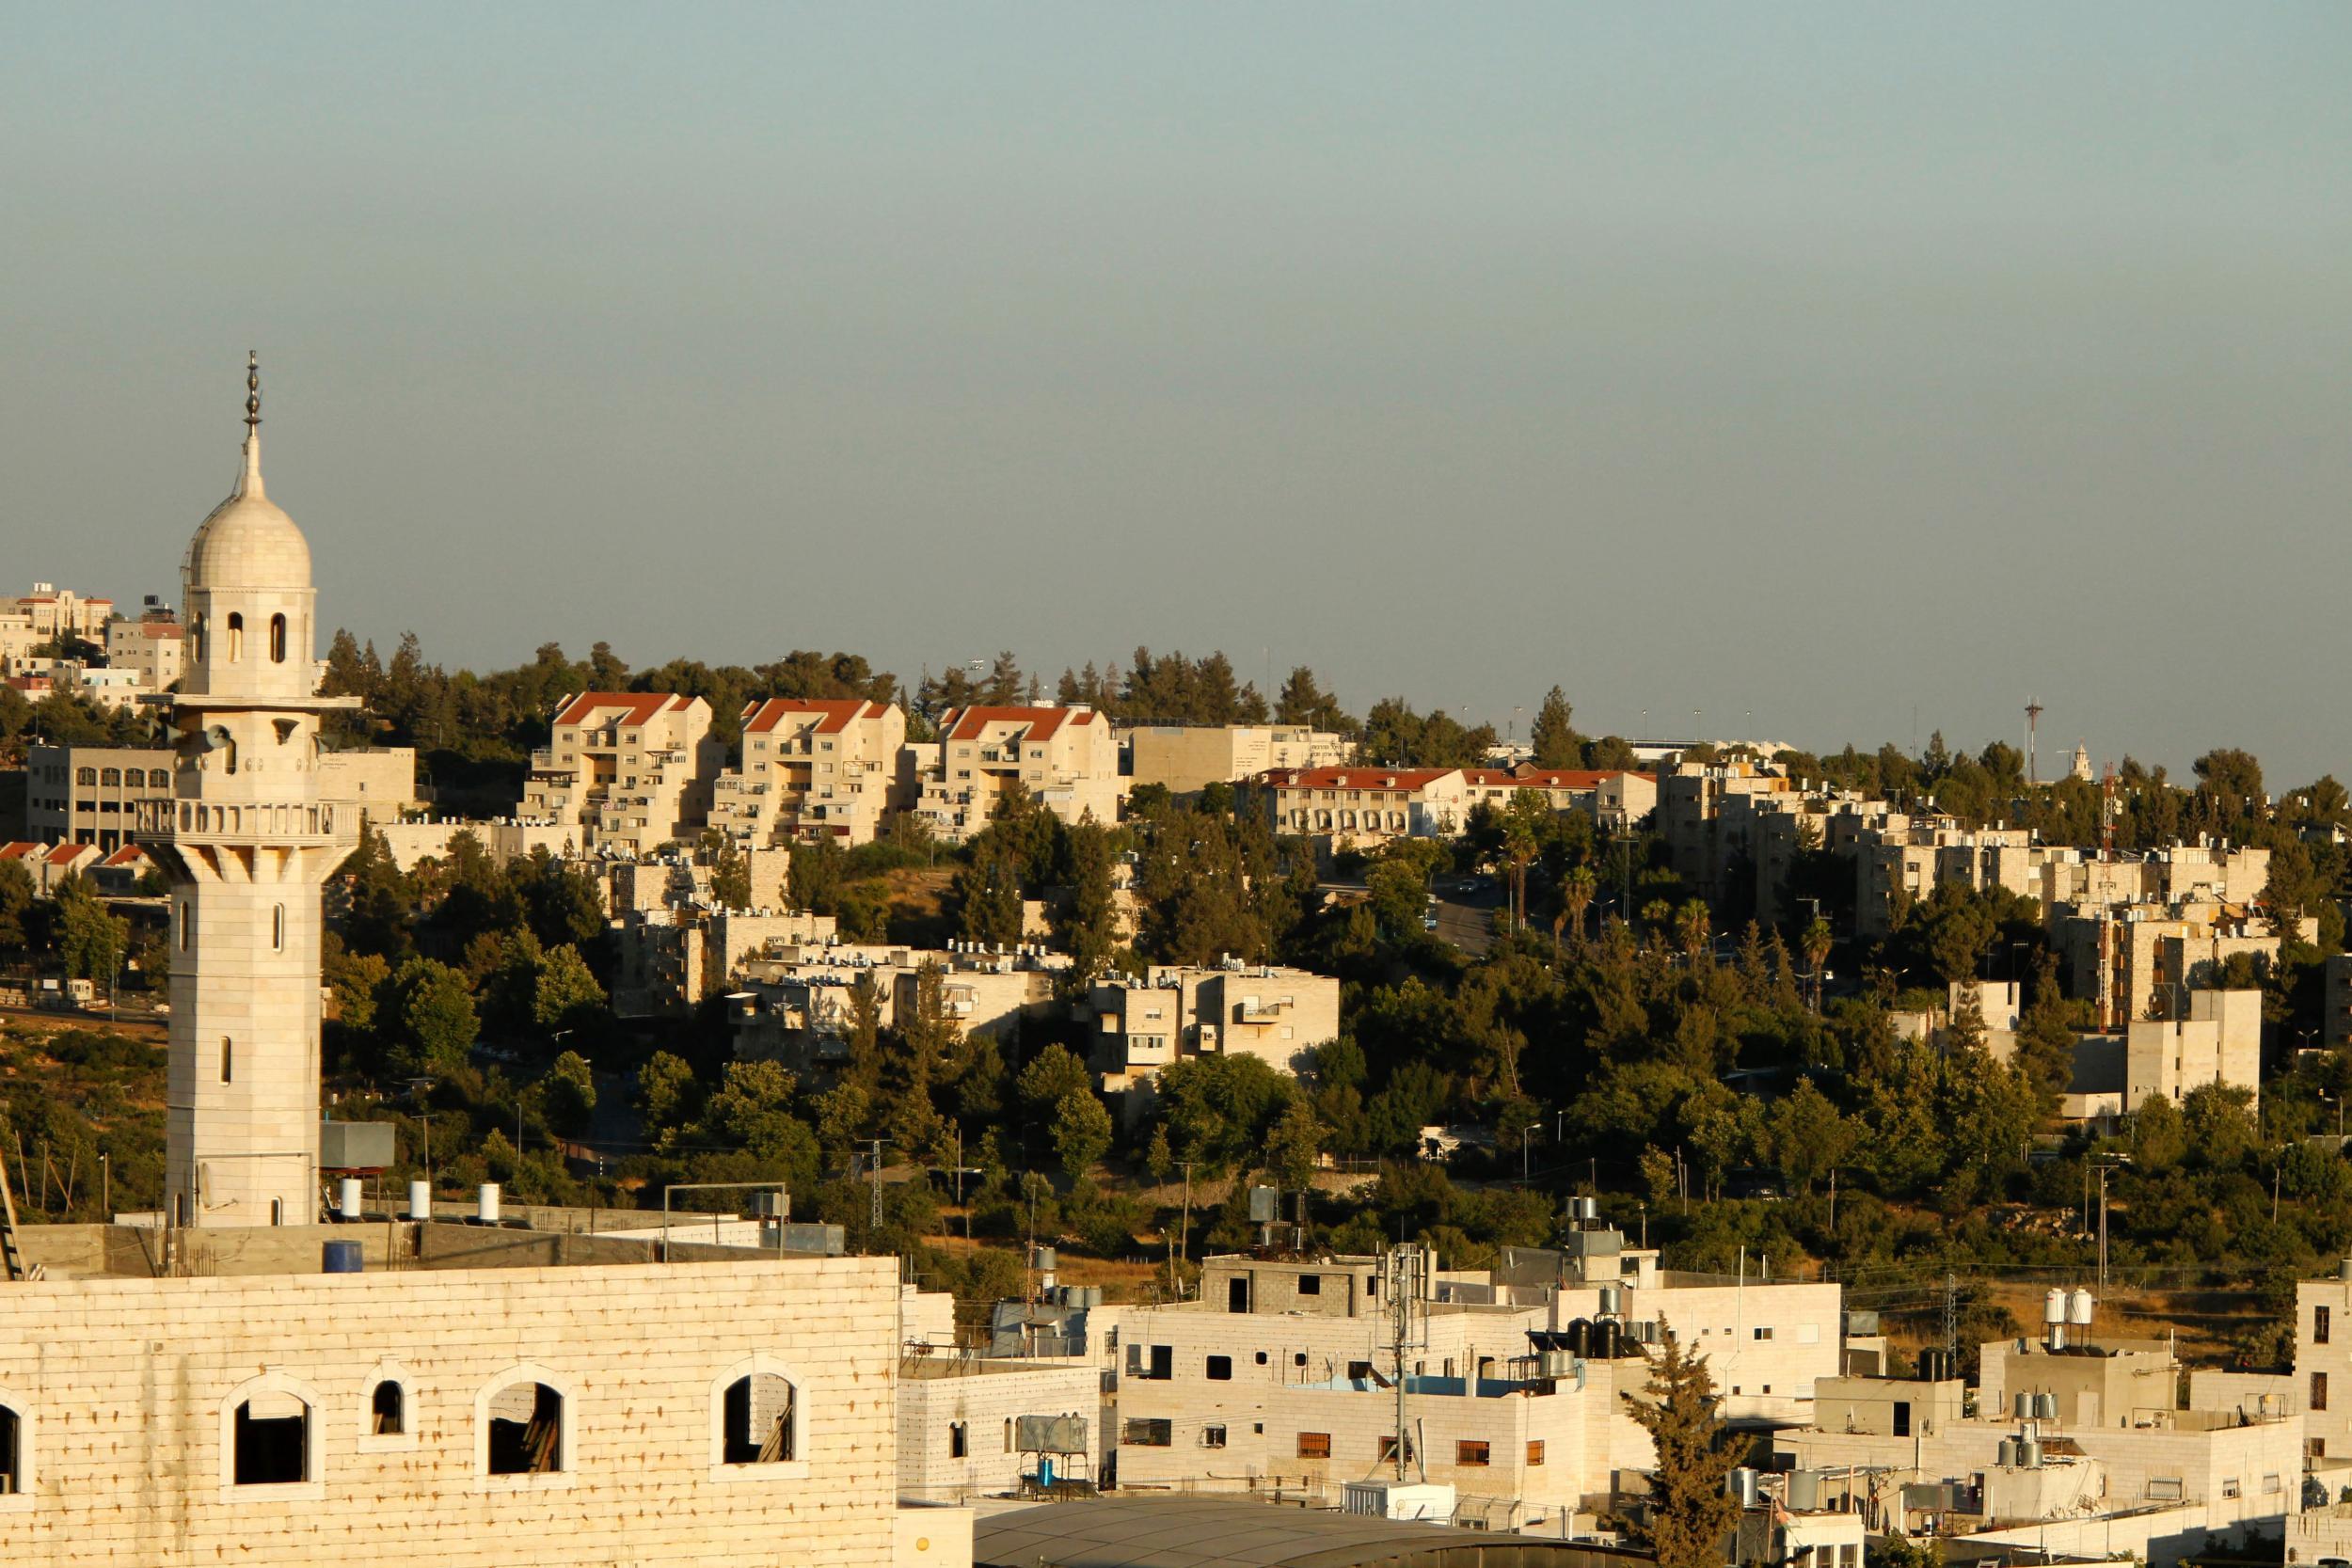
(2033, 726)
(2106, 814)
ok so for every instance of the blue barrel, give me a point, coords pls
(342, 1257)
(1045, 1471)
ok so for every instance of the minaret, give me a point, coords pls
(250, 845)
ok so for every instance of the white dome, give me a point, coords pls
(248, 542)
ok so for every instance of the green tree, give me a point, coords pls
(1090, 928)
(1052, 1076)
(569, 1093)
(1554, 734)
(438, 1024)
(16, 907)
(1082, 1132)
(1809, 1139)
(666, 1092)
(1696, 1448)
(1293, 1145)
(90, 941)
(565, 992)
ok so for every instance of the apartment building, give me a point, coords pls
(635, 770)
(1171, 1012)
(1705, 839)
(1184, 759)
(1066, 758)
(2143, 960)
(503, 839)
(1366, 807)
(155, 645)
(1614, 798)
(92, 794)
(797, 1003)
(971, 1427)
(669, 959)
(52, 612)
(812, 768)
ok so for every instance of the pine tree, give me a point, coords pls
(1680, 1409)
(1554, 735)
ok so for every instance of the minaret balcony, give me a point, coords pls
(312, 822)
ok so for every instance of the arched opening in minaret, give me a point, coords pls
(228, 1060)
(277, 928)
(236, 636)
(388, 1419)
(278, 640)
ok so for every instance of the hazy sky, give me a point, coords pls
(1829, 364)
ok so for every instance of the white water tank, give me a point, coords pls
(2053, 1307)
(420, 1200)
(489, 1199)
(2079, 1307)
(347, 1202)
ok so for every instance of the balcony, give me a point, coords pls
(313, 823)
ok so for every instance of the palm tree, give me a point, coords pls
(1576, 897)
(1816, 943)
(1691, 929)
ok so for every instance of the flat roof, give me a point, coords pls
(1212, 1532)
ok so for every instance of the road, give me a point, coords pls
(1467, 919)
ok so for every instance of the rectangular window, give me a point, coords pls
(2319, 1391)
(1221, 1368)
(2270, 1484)
(1311, 1283)
(1212, 1436)
(228, 1060)
(1388, 1450)
(1163, 1363)
(2164, 1489)
(1359, 1371)
(1140, 1433)
(2320, 1324)
(1763, 1332)
(1902, 1417)
(959, 1439)
(1315, 1445)
(1470, 1453)
(1534, 1451)
(2229, 1487)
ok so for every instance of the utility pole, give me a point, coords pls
(1183, 1234)
(1951, 1314)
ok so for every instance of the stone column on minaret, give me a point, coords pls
(250, 845)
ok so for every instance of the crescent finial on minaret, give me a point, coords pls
(252, 389)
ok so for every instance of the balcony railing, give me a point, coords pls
(312, 822)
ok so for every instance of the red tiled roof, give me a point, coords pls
(66, 854)
(20, 849)
(837, 712)
(966, 723)
(1561, 778)
(641, 706)
(125, 855)
(1358, 777)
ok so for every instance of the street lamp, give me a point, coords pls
(2105, 1164)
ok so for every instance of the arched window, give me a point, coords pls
(520, 1425)
(196, 638)
(278, 640)
(388, 1416)
(267, 1438)
(278, 928)
(236, 636)
(86, 776)
(228, 1060)
(12, 1452)
(758, 1422)
(111, 777)
(388, 1410)
(17, 1432)
(187, 925)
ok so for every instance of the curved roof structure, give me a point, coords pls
(1214, 1532)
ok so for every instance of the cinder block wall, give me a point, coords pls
(122, 1385)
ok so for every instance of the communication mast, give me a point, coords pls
(2033, 734)
(1406, 1277)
